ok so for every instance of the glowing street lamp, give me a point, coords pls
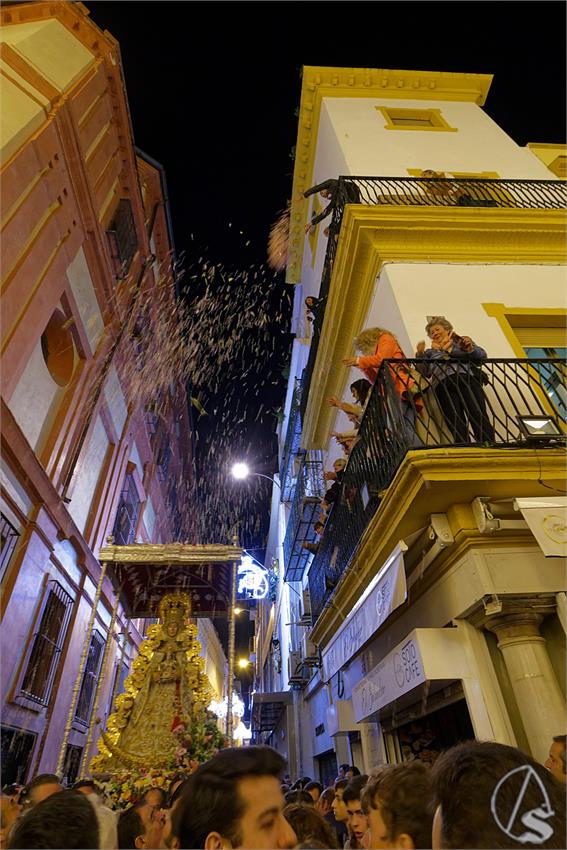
(240, 471)
(243, 663)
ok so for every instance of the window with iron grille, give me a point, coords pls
(122, 237)
(124, 530)
(8, 539)
(46, 645)
(90, 677)
(72, 764)
(17, 749)
(163, 456)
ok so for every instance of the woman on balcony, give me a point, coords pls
(361, 393)
(453, 365)
(376, 345)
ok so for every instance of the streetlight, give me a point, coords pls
(240, 471)
(243, 663)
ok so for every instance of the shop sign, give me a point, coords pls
(386, 591)
(399, 672)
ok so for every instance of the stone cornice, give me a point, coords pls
(320, 82)
(371, 236)
(408, 497)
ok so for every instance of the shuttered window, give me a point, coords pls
(90, 676)
(47, 644)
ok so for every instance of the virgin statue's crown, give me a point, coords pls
(174, 606)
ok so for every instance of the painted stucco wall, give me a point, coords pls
(83, 291)
(35, 399)
(88, 473)
(115, 400)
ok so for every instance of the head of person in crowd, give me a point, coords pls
(299, 796)
(352, 772)
(367, 340)
(87, 787)
(555, 761)
(342, 770)
(309, 824)
(490, 795)
(360, 390)
(10, 809)
(397, 802)
(140, 826)
(357, 820)
(177, 780)
(339, 465)
(325, 802)
(234, 800)
(314, 789)
(43, 786)
(64, 820)
(156, 797)
(338, 805)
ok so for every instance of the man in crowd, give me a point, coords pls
(41, 787)
(489, 795)
(342, 771)
(107, 819)
(339, 810)
(556, 759)
(397, 801)
(9, 811)
(62, 821)
(314, 789)
(234, 800)
(140, 826)
(357, 820)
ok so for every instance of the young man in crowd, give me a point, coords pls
(489, 795)
(357, 820)
(234, 800)
(340, 813)
(107, 819)
(41, 787)
(555, 762)
(62, 821)
(314, 789)
(140, 827)
(397, 801)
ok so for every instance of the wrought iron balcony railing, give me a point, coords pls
(307, 495)
(422, 191)
(455, 403)
(291, 446)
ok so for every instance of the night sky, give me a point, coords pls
(214, 88)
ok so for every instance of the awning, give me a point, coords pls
(142, 573)
(268, 708)
(547, 519)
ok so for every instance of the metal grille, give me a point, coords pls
(122, 237)
(420, 191)
(124, 531)
(47, 644)
(458, 403)
(309, 491)
(8, 539)
(90, 676)
(292, 443)
(16, 754)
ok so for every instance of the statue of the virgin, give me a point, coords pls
(167, 692)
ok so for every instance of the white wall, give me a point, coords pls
(84, 294)
(35, 399)
(115, 400)
(88, 473)
(150, 519)
(369, 149)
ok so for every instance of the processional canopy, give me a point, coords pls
(143, 573)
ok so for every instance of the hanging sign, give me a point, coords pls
(253, 580)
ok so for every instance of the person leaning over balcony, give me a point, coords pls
(453, 364)
(361, 393)
(376, 345)
(328, 191)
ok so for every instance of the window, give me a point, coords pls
(122, 237)
(124, 531)
(553, 376)
(17, 749)
(90, 678)
(46, 645)
(8, 540)
(414, 119)
(72, 764)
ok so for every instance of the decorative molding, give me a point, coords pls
(372, 83)
(371, 236)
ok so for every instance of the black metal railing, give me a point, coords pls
(417, 404)
(422, 191)
(292, 444)
(305, 509)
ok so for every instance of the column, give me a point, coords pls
(342, 748)
(533, 681)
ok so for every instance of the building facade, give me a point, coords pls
(432, 608)
(91, 445)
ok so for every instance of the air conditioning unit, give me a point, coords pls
(309, 650)
(305, 609)
(294, 665)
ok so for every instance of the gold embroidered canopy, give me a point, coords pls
(143, 573)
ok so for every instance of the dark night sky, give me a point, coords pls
(213, 90)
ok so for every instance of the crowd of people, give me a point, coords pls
(476, 795)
